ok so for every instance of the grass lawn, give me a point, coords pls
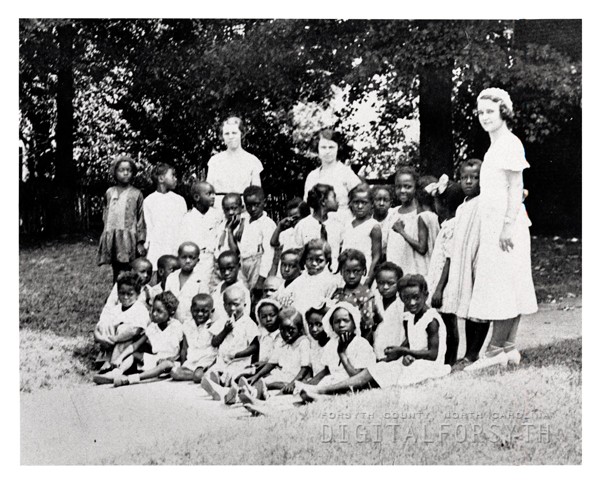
(525, 416)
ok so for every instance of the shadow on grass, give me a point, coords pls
(565, 353)
(86, 354)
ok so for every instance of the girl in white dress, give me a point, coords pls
(419, 358)
(407, 239)
(503, 288)
(363, 233)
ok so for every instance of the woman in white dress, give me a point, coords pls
(503, 288)
(333, 172)
(233, 170)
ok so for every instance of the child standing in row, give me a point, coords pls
(446, 204)
(363, 233)
(255, 248)
(124, 233)
(382, 203)
(427, 213)
(200, 225)
(283, 237)
(187, 281)
(407, 240)
(165, 266)
(163, 212)
(321, 199)
(290, 271)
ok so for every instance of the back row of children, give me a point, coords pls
(302, 262)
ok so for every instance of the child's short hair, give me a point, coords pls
(351, 254)
(317, 194)
(228, 253)
(389, 266)
(407, 170)
(387, 188)
(316, 244)
(159, 170)
(196, 185)
(124, 159)
(191, 244)
(203, 297)
(293, 203)
(237, 196)
(452, 197)
(169, 300)
(166, 260)
(290, 313)
(141, 260)
(413, 280)
(471, 162)
(361, 188)
(130, 278)
(254, 190)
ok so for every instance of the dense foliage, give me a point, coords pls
(157, 88)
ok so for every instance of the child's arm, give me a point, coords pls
(217, 339)
(319, 376)
(141, 226)
(376, 251)
(264, 371)
(127, 334)
(100, 338)
(433, 340)
(437, 299)
(420, 244)
(393, 353)
(249, 351)
(304, 372)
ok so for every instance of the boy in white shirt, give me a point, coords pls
(188, 281)
(163, 212)
(200, 225)
(255, 248)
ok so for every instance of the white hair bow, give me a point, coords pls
(439, 187)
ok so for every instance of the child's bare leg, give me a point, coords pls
(198, 375)
(500, 331)
(162, 367)
(182, 374)
(359, 381)
(512, 334)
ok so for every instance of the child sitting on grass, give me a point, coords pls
(228, 263)
(390, 331)
(289, 362)
(121, 324)
(320, 333)
(419, 358)
(197, 353)
(158, 348)
(143, 268)
(347, 353)
(236, 340)
(353, 266)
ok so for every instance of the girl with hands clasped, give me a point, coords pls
(503, 288)
(124, 233)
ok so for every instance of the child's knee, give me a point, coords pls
(198, 375)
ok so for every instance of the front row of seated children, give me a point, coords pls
(236, 360)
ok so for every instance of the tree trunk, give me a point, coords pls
(435, 112)
(63, 216)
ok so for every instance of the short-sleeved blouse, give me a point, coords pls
(341, 178)
(228, 173)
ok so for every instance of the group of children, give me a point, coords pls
(245, 306)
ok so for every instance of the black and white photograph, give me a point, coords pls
(299, 241)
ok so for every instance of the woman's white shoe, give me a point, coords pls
(513, 357)
(486, 362)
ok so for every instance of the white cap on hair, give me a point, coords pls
(352, 310)
(496, 92)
